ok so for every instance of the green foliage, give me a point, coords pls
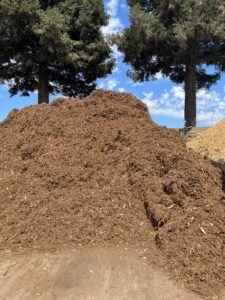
(64, 35)
(166, 36)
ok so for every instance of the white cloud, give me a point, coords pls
(111, 84)
(5, 86)
(116, 69)
(137, 83)
(158, 76)
(211, 105)
(116, 52)
(115, 25)
(178, 92)
(148, 96)
(121, 90)
(118, 56)
(108, 85)
(163, 106)
(134, 84)
(112, 6)
(101, 85)
(124, 6)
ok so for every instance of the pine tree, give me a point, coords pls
(53, 46)
(178, 38)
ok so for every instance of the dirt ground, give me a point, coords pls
(93, 274)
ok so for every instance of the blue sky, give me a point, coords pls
(165, 100)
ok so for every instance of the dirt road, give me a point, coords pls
(91, 274)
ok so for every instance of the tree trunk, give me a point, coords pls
(190, 94)
(43, 81)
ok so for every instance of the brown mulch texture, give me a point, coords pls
(101, 171)
(211, 143)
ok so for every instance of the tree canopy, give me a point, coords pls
(178, 38)
(53, 46)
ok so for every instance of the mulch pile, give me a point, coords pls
(211, 142)
(101, 171)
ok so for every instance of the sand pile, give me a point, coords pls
(211, 143)
(100, 171)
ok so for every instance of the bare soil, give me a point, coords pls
(88, 274)
(100, 172)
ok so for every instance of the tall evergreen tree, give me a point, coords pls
(53, 46)
(178, 38)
